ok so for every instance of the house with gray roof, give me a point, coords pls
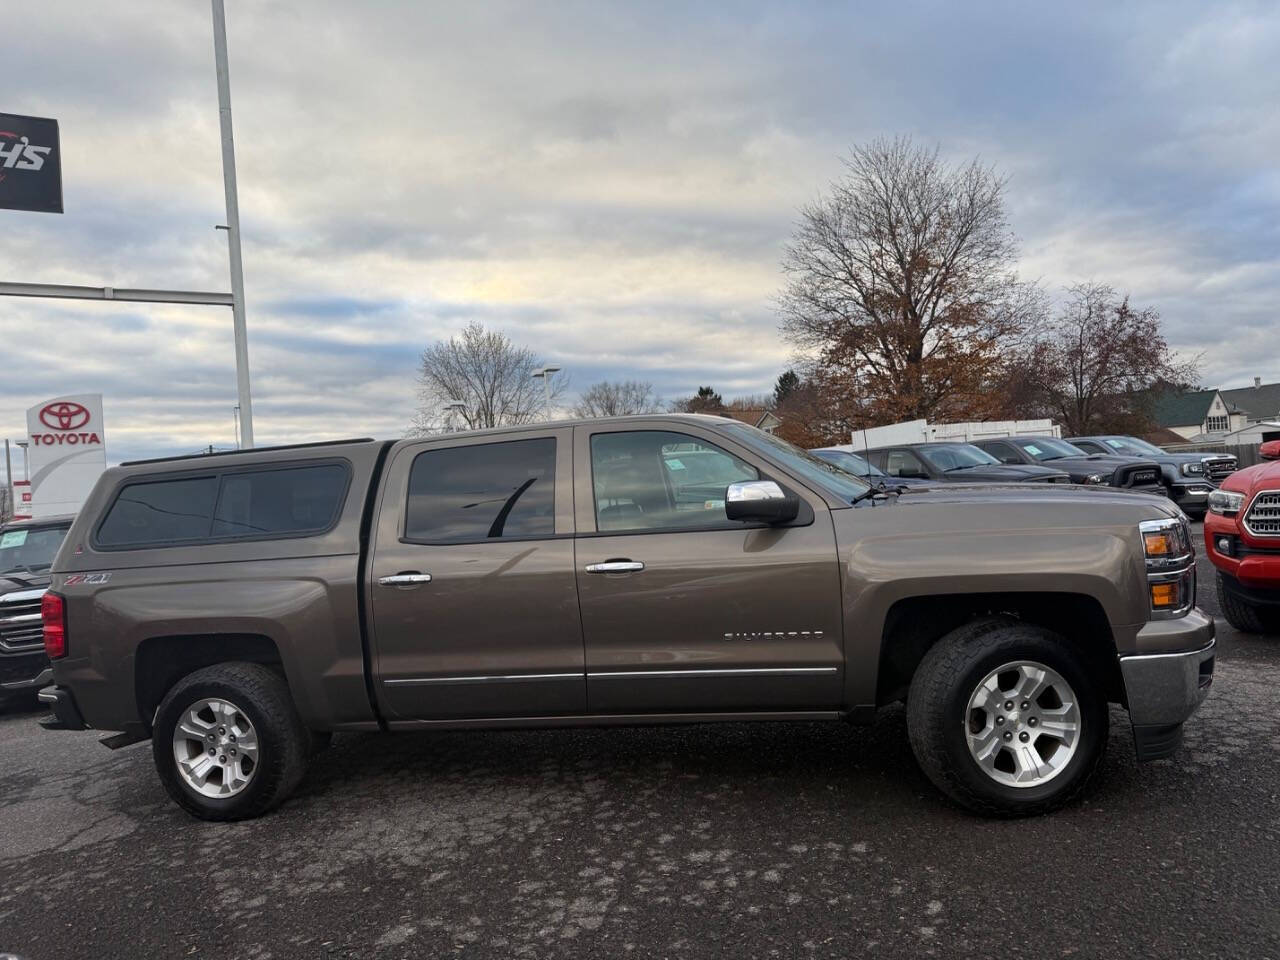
(1259, 402)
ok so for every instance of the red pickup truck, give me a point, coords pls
(1242, 534)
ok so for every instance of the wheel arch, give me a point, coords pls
(161, 661)
(912, 625)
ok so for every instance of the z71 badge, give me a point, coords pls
(90, 578)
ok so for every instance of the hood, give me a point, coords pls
(1002, 473)
(21, 580)
(1262, 476)
(1067, 495)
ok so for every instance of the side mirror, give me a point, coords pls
(761, 500)
(1270, 450)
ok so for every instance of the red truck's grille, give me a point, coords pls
(1263, 518)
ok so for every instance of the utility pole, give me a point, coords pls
(545, 373)
(233, 223)
(8, 469)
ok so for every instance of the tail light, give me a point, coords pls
(53, 613)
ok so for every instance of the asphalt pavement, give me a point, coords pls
(743, 840)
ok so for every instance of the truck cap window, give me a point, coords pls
(483, 492)
(650, 479)
(290, 501)
(279, 502)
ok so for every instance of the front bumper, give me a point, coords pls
(1164, 689)
(1192, 496)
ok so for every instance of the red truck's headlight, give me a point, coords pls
(1226, 502)
(53, 613)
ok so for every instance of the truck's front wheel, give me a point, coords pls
(228, 743)
(1004, 718)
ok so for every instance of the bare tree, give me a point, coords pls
(1098, 365)
(901, 285)
(490, 375)
(616, 398)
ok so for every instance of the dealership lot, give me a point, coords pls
(740, 840)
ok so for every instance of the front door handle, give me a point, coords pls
(404, 579)
(616, 566)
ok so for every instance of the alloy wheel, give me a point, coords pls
(1023, 724)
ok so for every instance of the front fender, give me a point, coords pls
(882, 570)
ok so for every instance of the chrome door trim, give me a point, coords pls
(404, 579)
(485, 678)
(615, 566)
(709, 672)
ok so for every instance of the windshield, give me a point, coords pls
(1132, 445)
(802, 463)
(1047, 448)
(29, 549)
(849, 463)
(956, 456)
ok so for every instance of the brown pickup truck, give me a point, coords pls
(236, 609)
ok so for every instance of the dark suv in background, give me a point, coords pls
(1094, 469)
(957, 463)
(1188, 478)
(27, 549)
(860, 467)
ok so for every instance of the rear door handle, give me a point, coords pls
(404, 579)
(616, 566)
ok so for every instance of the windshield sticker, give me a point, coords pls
(13, 538)
(1032, 449)
(674, 464)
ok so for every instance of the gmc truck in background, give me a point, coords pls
(237, 608)
(27, 549)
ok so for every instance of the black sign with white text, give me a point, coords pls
(30, 164)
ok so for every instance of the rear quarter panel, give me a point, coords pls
(302, 593)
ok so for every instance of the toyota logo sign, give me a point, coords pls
(64, 415)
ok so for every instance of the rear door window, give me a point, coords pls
(484, 491)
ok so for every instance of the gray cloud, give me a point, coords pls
(610, 183)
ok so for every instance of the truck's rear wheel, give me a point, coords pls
(228, 743)
(1004, 718)
(1239, 612)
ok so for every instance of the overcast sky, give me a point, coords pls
(611, 184)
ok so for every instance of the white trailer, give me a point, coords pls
(921, 431)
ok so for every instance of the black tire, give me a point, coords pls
(1240, 613)
(938, 702)
(284, 743)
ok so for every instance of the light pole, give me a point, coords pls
(233, 224)
(450, 408)
(545, 373)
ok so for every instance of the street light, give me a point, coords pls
(452, 406)
(545, 373)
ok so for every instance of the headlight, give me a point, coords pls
(1193, 469)
(1226, 502)
(1165, 542)
(1171, 567)
(1095, 478)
